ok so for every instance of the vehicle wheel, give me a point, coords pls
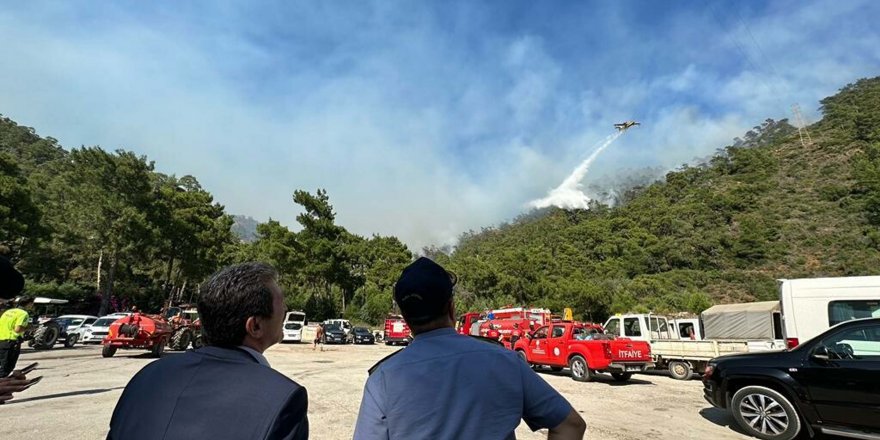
(622, 377)
(108, 351)
(680, 370)
(158, 349)
(387, 342)
(556, 369)
(71, 340)
(580, 371)
(181, 340)
(46, 336)
(765, 413)
(198, 342)
(522, 355)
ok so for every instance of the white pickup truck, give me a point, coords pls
(748, 328)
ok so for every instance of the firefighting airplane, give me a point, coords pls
(623, 126)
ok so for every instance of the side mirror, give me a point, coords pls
(821, 353)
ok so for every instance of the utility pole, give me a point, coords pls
(806, 140)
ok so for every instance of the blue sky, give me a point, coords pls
(421, 119)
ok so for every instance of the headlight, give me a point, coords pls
(710, 368)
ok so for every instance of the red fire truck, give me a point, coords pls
(502, 324)
(396, 331)
(503, 320)
(584, 350)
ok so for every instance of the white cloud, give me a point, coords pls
(415, 130)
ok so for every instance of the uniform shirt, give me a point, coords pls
(9, 320)
(450, 386)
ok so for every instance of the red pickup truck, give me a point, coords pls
(584, 351)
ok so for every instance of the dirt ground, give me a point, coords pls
(80, 388)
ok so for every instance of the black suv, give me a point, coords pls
(333, 334)
(362, 335)
(830, 383)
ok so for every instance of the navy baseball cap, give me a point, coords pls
(11, 280)
(422, 290)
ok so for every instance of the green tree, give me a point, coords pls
(19, 216)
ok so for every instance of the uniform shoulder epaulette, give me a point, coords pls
(376, 365)
(487, 340)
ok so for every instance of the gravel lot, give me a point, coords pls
(80, 388)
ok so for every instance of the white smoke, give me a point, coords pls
(569, 194)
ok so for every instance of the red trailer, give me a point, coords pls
(149, 332)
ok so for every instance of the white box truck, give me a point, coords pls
(812, 305)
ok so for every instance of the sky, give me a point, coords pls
(421, 119)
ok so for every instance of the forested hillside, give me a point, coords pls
(107, 230)
(722, 231)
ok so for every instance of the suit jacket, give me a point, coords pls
(210, 393)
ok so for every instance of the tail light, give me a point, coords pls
(792, 342)
(607, 347)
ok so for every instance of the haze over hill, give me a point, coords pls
(434, 117)
(722, 230)
(768, 207)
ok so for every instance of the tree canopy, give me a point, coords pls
(108, 230)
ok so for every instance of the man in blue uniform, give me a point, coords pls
(450, 386)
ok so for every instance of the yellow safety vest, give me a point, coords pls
(9, 320)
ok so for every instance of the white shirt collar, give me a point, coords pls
(256, 355)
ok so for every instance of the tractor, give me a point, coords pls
(186, 328)
(45, 330)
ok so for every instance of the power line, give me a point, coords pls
(806, 140)
(748, 58)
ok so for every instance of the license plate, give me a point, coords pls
(633, 368)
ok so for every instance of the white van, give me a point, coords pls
(812, 305)
(293, 326)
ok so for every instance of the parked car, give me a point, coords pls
(293, 326)
(334, 334)
(829, 384)
(362, 335)
(343, 325)
(95, 333)
(74, 326)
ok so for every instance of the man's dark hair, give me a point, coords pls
(230, 297)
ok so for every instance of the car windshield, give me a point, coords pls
(296, 317)
(104, 322)
(331, 327)
(361, 330)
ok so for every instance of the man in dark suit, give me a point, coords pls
(225, 389)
